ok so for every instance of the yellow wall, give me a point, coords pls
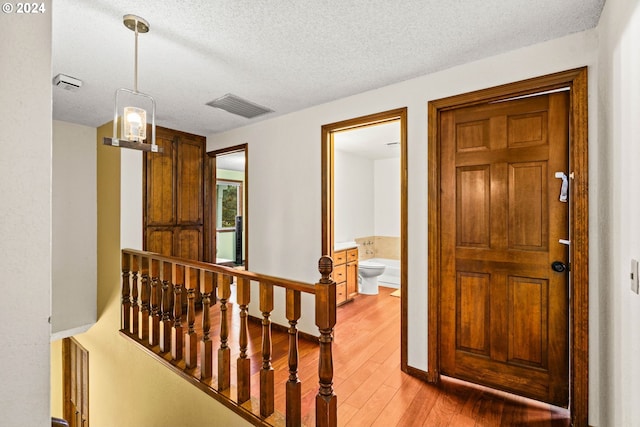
(126, 386)
(56, 379)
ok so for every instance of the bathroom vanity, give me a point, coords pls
(345, 274)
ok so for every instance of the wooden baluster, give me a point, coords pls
(177, 336)
(135, 308)
(267, 389)
(326, 400)
(165, 324)
(143, 316)
(244, 363)
(224, 353)
(206, 346)
(191, 338)
(156, 293)
(294, 387)
(126, 287)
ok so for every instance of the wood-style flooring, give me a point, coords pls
(371, 388)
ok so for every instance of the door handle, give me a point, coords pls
(565, 186)
(558, 266)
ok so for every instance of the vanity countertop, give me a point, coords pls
(344, 245)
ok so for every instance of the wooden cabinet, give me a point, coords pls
(345, 274)
(174, 195)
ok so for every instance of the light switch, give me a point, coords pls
(634, 276)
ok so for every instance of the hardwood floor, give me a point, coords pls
(372, 390)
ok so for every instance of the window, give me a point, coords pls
(229, 203)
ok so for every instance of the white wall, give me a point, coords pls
(131, 199)
(285, 231)
(25, 212)
(74, 249)
(386, 185)
(354, 210)
(619, 212)
(366, 196)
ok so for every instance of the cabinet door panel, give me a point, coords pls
(189, 243)
(190, 172)
(160, 190)
(160, 240)
(352, 279)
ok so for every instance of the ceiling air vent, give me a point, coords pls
(236, 105)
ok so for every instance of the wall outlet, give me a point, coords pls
(635, 280)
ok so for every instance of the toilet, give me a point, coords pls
(368, 273)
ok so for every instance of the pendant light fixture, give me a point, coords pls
(130, 107)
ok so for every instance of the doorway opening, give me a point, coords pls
(227, 187)
(440, 164)
(337, 228)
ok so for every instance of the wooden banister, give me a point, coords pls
(165, 324)
(217, 268)
(156, 294)
(154, 288)
(266, 372)
(294, 387)
(206, 346)
(135, 268)
(224, 353)
(126, 289)
(244, 364)
(143, 314)
(191, 338)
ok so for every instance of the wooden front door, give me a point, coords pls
(504, 309)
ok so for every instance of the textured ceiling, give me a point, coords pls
(284, 55)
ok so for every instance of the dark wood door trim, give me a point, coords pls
(328, 204)
(576, 80)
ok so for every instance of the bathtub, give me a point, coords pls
(391, 276)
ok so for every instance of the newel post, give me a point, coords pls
(326, 400)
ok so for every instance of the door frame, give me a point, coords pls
(210, 201)
(328, 201)
(577, 81)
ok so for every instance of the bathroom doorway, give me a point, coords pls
(364, 187)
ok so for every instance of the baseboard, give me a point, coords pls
(285, 329)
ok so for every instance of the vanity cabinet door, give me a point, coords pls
(352, 279)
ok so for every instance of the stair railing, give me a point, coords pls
(157, 288)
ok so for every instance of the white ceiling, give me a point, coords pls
(232, 161)
(373, 142)
(285, 55)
